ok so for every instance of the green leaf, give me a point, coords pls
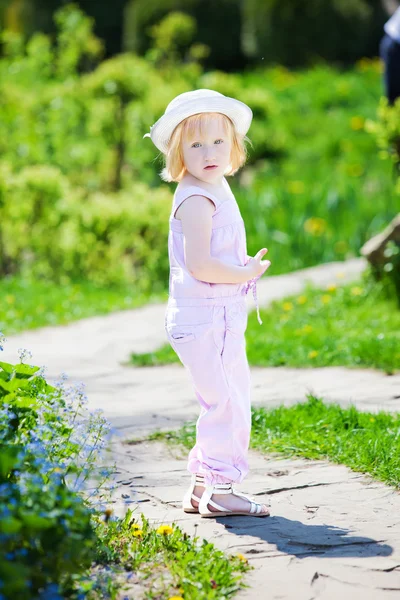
(8, 459)
(10, 525)
(30, 519)
(7, 367)
(23, 371)
(14, 384)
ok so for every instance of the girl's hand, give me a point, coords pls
(256, 267)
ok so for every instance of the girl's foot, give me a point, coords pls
(229, 501)
(198, 491)
(233, 502)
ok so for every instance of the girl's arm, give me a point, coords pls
(196, 217)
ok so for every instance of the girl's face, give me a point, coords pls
(207, 155)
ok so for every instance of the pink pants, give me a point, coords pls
(207, 334)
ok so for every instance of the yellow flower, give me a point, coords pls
(165, 529)
(135, 526)
(372, 419)
(308, 328)
(175, 598)
(10, 299)
(242, 558)
(357, 123)
(363, 64)
(287, 306)
(295, 187)
(312, 354)
(304, 329)
(331, 287)
(138, 533)
(340, 274)
(356, 291)
(326, 298)
(301, 299)
(354, 170)
(315, 225)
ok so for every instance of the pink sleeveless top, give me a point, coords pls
(228, 244)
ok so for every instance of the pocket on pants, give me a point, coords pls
(181, 337)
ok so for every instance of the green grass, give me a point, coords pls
(366, 442)
(28, 304)
(160, 562)
(352, 325)
(322, 188)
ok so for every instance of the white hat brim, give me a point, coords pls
(237, 111)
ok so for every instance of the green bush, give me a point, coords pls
(47, 453)
(49, 226)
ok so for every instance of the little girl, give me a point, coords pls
(202, 135)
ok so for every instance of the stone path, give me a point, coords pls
(331, 531)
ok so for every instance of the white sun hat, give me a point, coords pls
(192, 103)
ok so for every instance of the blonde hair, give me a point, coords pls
(175, 168)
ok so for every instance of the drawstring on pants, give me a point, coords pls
(252, 283)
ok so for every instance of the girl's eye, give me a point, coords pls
(219, 141)
(195, 144)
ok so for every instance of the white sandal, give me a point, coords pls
(226, 488)
(197, 481)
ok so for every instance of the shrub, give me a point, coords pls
(48, 451)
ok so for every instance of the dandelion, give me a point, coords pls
(242, 558)
(363, 64)
(287, 306)
(354, 170)
(301, 299)
(326, 298)
(331, 287)
(315, 226)
(295, 187)
(312, 354)
(372, 420)
(175, 598)
(135, 526)
(137, 533)
(10, 299)
(165, 530)
(356, 291)
(308, 329)
(357, 123)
